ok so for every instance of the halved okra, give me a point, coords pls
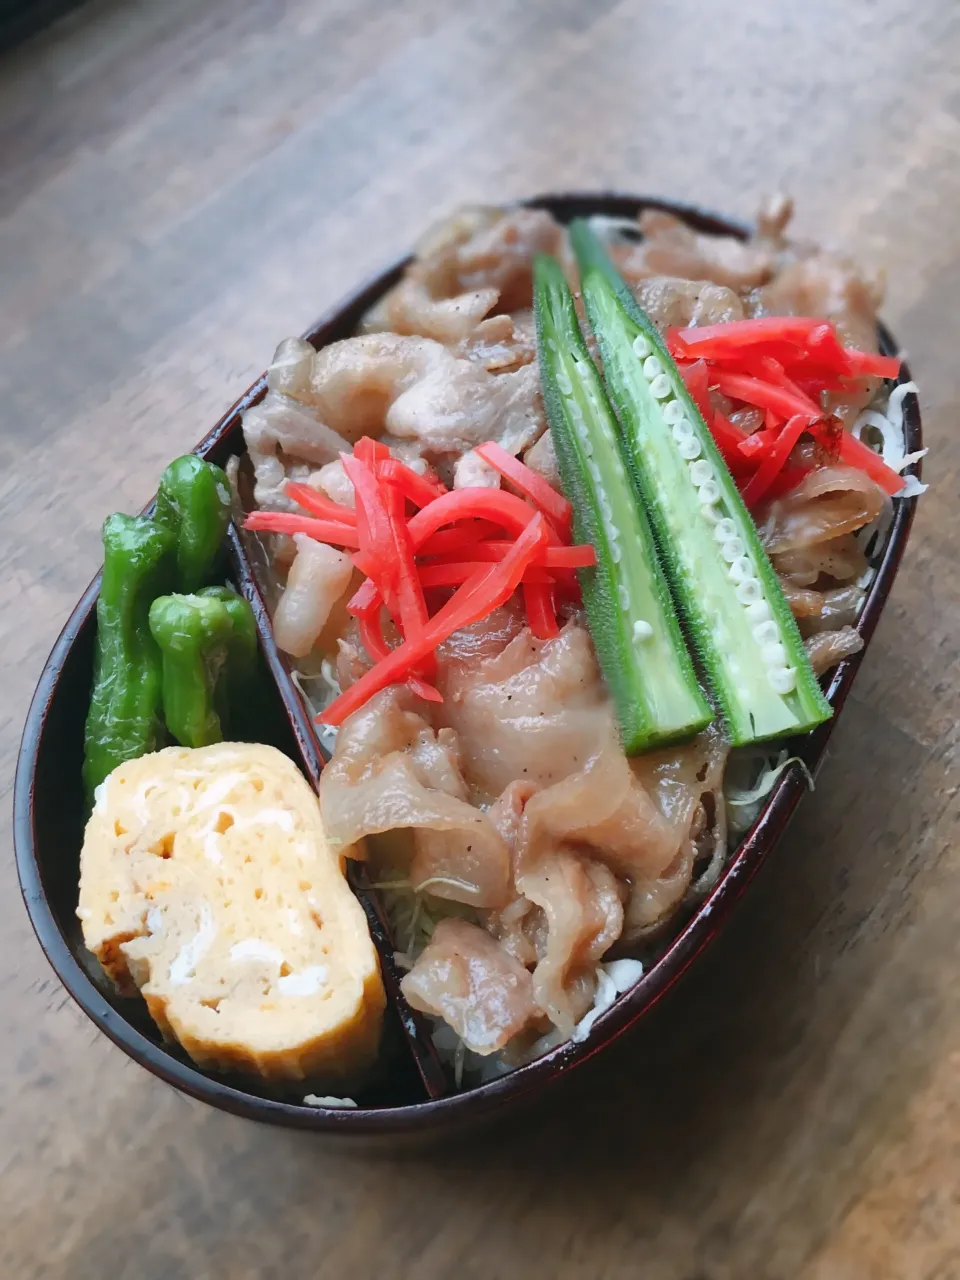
(732, 604)
(634, 627)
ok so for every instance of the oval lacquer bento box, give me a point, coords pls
(413, 1092)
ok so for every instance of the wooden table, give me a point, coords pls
(183, 184)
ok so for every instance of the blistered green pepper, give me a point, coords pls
(123, 722)
(237, 692)
(193, 501)
(207, 644)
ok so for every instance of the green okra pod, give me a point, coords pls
(632, 620)
(723, 582)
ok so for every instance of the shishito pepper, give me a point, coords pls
(193, 501)
(139, 558)
(237, 694)
(207, 644)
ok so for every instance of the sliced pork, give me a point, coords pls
(582, 903)
(390, 771)
(672, 248)
(318, 578)
(532, 711)
(670, 300)
(478, 988)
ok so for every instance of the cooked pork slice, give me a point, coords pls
(502, 343)
(471, 472)
(651, 901)
(807, 532)
(483, 639)
(840, 559)
(606, 808)
(501, 255)
(279, 431)
(291, 368)
(828, 503)
(582, 903)
(506, 812)
(670, 301)
(318, 578)
(390, 771)
(535, 711)
(823, 610)
(827, 648)
(466, 978)
(672, 248)
(415, 389)
(411, 308)
(478, 259)
(542, 458)
(332, 480)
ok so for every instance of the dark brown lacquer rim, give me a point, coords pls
(440, 1112)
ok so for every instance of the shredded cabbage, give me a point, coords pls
(607, 228)
(888, 423)
(612, 980)
(744, 804)
(320, 699)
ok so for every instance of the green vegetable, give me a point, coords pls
(237, 694)
(207, 644)
(725, 586)
(193, 501)
(632, 621)
(123, 722)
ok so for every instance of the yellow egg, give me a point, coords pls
(207, 882)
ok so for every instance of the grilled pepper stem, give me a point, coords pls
(634, 628)
(205, 646)
(193, 501)
(723, 582)
(123, 721)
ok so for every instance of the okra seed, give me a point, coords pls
(672, 412)
(782, 679)
(709, 493)
(732, 549)
(624, 596)
(758, 612)
(641, 346)
(651, 368)
(564, 383)
(682, 430)
(773, 655)
(709, 512)
(594, 471)
(660, 386)
(767, 632)
(701, 471)
(689, 447)
(642, 630)
(614, 551)
(725, 530)
(748, 591)
(741, 569)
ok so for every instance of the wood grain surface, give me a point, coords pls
(182, 184)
